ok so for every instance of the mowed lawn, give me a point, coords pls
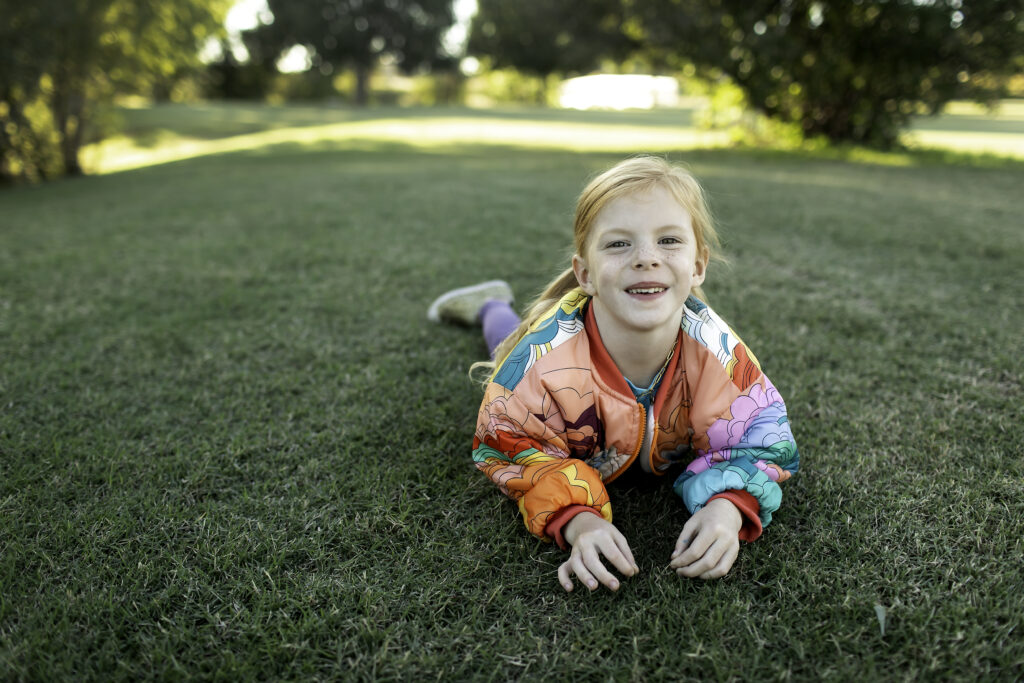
(232, 446)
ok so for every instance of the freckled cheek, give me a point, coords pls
(610, 275)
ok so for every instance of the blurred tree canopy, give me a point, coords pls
(357, 33)
(544, 37)
(63, 59)
(851, 71)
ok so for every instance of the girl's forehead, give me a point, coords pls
(654, 207)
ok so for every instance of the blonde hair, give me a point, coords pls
(630, 176)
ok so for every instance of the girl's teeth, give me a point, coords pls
(646, 291)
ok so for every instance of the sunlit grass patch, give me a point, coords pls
(209, 129)
(1002, 144)
(165, 133)
(971, 128)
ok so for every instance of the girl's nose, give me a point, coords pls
(646, 257)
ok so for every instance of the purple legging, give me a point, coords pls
(499, 321)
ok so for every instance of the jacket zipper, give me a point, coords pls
(643, 432)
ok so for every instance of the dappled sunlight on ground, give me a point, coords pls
(971, 128)
(123, 153)
(1002, 144)
(167, 133)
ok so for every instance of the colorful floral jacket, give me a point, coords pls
(558, 420)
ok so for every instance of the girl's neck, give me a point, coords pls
(639, 354)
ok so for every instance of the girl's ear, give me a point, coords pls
(700, 268)
(582, 272)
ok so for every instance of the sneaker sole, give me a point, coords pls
(432, 312)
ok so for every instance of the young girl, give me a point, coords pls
(621, 365)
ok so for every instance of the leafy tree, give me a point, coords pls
(544, 37)
(854, 70)
(63, 59)
(242, 79)
(357, 33)
(851, 71)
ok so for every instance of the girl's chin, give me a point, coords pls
(638, 318)
(653, 324)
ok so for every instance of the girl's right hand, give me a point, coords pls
(592, 536)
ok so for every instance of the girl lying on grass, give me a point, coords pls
(620, 365)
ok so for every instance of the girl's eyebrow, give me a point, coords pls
(668, 227)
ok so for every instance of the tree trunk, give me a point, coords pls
(73, 134)
(67, 118)
(548, 83)
(72, 144)
(72, 167)
(362, 94)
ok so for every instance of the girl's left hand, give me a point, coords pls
(710, 541)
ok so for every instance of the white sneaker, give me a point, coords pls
(462, 306)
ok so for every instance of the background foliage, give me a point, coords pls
(851, 71)
(844, 72)
(848, 71)
(544, 38)
(339, 35)
(63, 60)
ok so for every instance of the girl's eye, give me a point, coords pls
(671, 240)
(617, 244)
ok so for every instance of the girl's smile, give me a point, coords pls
(647, 290)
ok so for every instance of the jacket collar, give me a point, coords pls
(609, 371)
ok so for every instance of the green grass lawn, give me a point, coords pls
(231, 445)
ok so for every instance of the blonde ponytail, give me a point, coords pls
(552, 294)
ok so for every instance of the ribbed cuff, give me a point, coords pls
(558, 521)
(749, 508)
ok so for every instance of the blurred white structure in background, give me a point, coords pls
(615, 91)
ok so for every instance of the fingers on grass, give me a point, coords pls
(576, 566)
(723, 566)
(684, 540)
(589, 569)
(704, 563)
(617, 552)
(715, 563)
(695, 550)
(682, 544)
(598, 571)
(564, 576)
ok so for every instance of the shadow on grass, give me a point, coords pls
(215, 120)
